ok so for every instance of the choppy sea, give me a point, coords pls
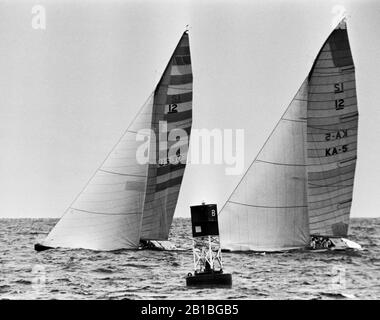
(142, 274)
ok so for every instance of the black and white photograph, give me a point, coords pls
(189, 150)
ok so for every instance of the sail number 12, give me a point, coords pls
(173, 108)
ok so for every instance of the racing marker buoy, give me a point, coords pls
(208, 266)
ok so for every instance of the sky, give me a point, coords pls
(68, 92)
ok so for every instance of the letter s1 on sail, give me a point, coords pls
(125, 200)
(268, 209)
(332, 130)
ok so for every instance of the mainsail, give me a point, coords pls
(301, 182)
(126, 201)
(332, 130)
(173, 99)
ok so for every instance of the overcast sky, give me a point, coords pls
(68, 92)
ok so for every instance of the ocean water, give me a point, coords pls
(142, 274)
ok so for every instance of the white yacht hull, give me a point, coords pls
(324, 243)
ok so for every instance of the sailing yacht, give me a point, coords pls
(127, 204)
(297, 193)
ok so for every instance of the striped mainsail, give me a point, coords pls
(173, 100)
(301, 182)
(126, 200)
(332, 131)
